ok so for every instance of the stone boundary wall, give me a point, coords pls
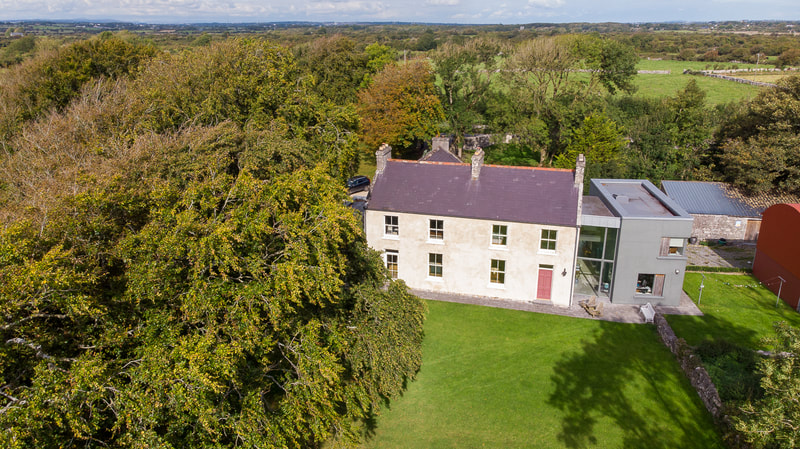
(739, 80)
(691, 366)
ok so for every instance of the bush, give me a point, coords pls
(718, 269)
(732, 368)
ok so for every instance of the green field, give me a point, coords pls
(717, 91)
(737, 309)
(498, 378)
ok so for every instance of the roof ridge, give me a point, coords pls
(516, 167)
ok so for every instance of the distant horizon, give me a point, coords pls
(84, 20)
(454, 12)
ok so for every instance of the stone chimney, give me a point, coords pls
(580, 168)
(477, 163)
(440, 143)
(383, 154)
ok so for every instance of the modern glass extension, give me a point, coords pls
(595, 268)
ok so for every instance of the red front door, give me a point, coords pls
(545, 282)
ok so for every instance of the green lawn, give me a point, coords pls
(498, 378)
(366, 165)
(740, 315)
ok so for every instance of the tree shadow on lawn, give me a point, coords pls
(626, 375)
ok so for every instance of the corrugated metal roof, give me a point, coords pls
(712, 198)
(515, 194)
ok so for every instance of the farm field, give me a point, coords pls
(501, 378)
(718, 91)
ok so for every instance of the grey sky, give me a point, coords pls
(448, 11)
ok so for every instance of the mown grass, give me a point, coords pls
(737, 309)
(500, 378)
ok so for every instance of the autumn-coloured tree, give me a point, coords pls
(401, 107)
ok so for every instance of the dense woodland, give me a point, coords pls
(177, 266)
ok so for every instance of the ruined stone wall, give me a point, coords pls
(691, 366)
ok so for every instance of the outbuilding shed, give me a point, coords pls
(777, 264)
(719, 209)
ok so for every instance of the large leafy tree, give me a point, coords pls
(400, 107)
(759, 148)
(464, 75)
(774, 420)
(337, 66)
(53, 79)
(611, 62)
(197, 281)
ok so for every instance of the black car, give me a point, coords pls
(357, 184)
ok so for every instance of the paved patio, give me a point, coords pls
(619, 313)
(733, 254)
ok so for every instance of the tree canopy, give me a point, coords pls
(192, 278)
(760, 146)
(400, 107)
(774, 420)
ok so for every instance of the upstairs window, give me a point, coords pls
(499, 234)
(548, 240)
(672, 247)
(436, 231)
(391, 227)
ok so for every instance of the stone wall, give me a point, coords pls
(713, 227)
(691, 366)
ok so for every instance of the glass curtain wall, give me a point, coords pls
(595, 270)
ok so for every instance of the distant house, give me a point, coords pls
(777, 264)
(720, 210)
(632, 243)
(505, 232)
(440, 151)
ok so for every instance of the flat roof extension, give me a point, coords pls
(636, 198)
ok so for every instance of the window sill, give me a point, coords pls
(391, 237)
(435, 242)
(496, 286)
(672, 257)
(499, 247)
(434, 279)
(547, 252)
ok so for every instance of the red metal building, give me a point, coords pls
(778, 252)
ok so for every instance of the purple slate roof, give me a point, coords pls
(515, 194)
(441, 156)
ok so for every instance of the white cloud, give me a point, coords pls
(344, 6)
(546, 3)
(443, 2)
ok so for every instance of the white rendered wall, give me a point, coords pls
(467, 253)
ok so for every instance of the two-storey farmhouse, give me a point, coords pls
(506, 232)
